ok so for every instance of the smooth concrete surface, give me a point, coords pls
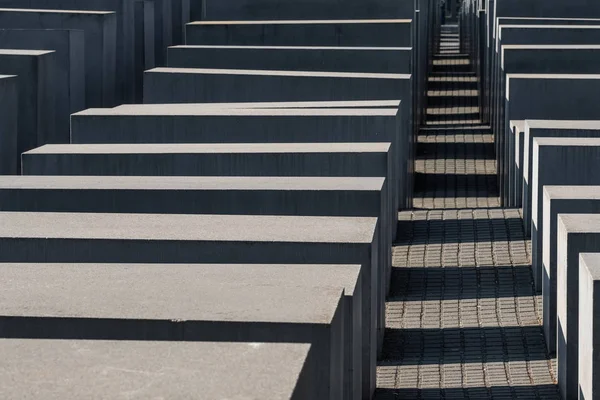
(577, 233)
(302, 9)
(163, 29)
(551, 129)
(589, 335)
(148, 369)
(118, 302)
(559, 200)
(69, 71)
(327, 32)
(124, 15)
(198, 85)
(159, 238)
(100, 30)
(517, 128)
(35, 71)
(145, 57)
(181, 16)
(173, 108)
(9, 99)
(544, 96)
(386, 60)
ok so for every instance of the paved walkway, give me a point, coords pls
(463, 320)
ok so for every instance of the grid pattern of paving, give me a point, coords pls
(463, 320)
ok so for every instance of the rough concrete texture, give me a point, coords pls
(198, 85)
(158, 238)
(577, 233)
(336, 59)
(35, 71)
(550, 129)
(351, 32)
(100, 30)
(148, 369)
(192, 307)
(559, 200)
(303, 9)
(69, 71)
(589, 336)
(9, 100)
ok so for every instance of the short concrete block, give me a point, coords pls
(158, 238)
(357, 32)
(215, 369)
(100, 30)
(577, 233)
(386, 60)
(68, 73)
(589, 335)
(9, 99)
(197, 85)
(300, 9)
(35, 71)
(551, 129)
(559, 200)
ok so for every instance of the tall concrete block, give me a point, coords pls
(201, 238)
(180, 17)
(515, 180)
(559, 200)
(548, 96)
(100, 30)
(589, 335)
(359, 32)
(125, 35)
(577, 233)
(197, 85)
(35, 71)
(303, 9)
(163, 29)
(216, 369)
(550, 129)
(145, 57)
(9, 99)
(286, 58)
(204, 308)
(69, 72)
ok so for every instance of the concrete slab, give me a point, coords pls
(326, 32)
(545, 96)
(304, 9)
(159, 238)
(589, 286)
(145, 57)
(216, 369)
(192, 306)
(9, 99)
(68, 73)
(198, 85)
(294, 58)
(145, 108)
(35, 71)
(577, 233)
(100, 30)
(559, 200)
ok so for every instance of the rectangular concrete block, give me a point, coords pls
(180, 17)
(35, 71)
(193, 306)
(158, 238)
(548, 96)
(577, 233)
(589, 336)
(294, 58)
(100, 30)
(69, 73)
(216, 369)
(559, 200)
(327, 32)
(303, 9)
(9, 99)
(518, 130)
(163, 29)
(145, 57)
(551, 129)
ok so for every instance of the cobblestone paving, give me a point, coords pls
(463, 320)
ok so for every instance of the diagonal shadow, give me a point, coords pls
(456, 185)
(545, 392)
